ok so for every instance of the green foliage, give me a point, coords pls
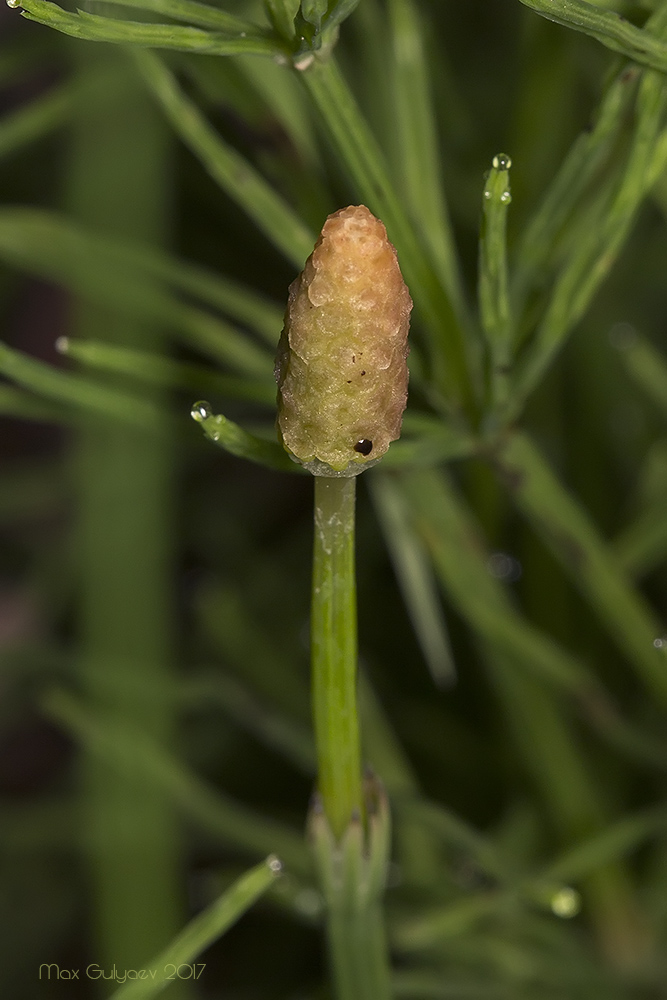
(158, 199)
(608, 27)
(164, 36)
(202, 931)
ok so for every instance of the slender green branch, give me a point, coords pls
(334, 652)
(164, 36)
(235, 175)
(452, 359)
(536, 253)
(598, 243)
(568, 531)
(192, 12)
(155, 369)
(74, 390)
(203, 930)
(119, 182)
(493, 287)
(35, 120)
(239, 442)
(417, 141)
(607, 27)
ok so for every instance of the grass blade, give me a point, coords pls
(193, 12)
(35, 120)
(417, 138)
(494, 306)
(572, 537)
(642, 546)
(552, 754)
(646, 365)
(282, 14)
(431, 928)
(619, 838)
(590, 151)
(416, 850)
(241, 638)
(156, 369)
(23, 406)
(459, 559)
(460, 562)
(427, 440)
(363, 160)
(287, 102)
(236, 441)
(114, 273)
(242, 304)
(607, 27)
(415, 577)
(76, 391)
(130, 752)
(228, 168)
(47, 239)
(164, 36)
(202, 931)
(598, 241)
(278, 732)
(123, 557)
(453, 831)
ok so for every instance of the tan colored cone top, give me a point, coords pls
(341, 366)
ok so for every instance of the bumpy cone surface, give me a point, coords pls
(341, 366)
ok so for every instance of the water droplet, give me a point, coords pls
(62, 345)
(660, 642)
(274, 863)
(504, 567)
(566, 903)
(201, 411)
(506, 197)
(215, 435)
(487, 194)
(243, 34)
(13, 3)
(502, 162)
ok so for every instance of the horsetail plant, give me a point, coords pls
(342, 377)
(342, 389)
(493, 500)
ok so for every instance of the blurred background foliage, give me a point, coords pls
(154, 725)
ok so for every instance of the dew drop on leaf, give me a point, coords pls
(502, 162)
(201, 411)
(566, 903)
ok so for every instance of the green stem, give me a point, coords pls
(493, 290)
(120, 184)
(334, 652)
(358, 948)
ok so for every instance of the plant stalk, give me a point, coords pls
(120, 184)
(334, 653)
(349, 822)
